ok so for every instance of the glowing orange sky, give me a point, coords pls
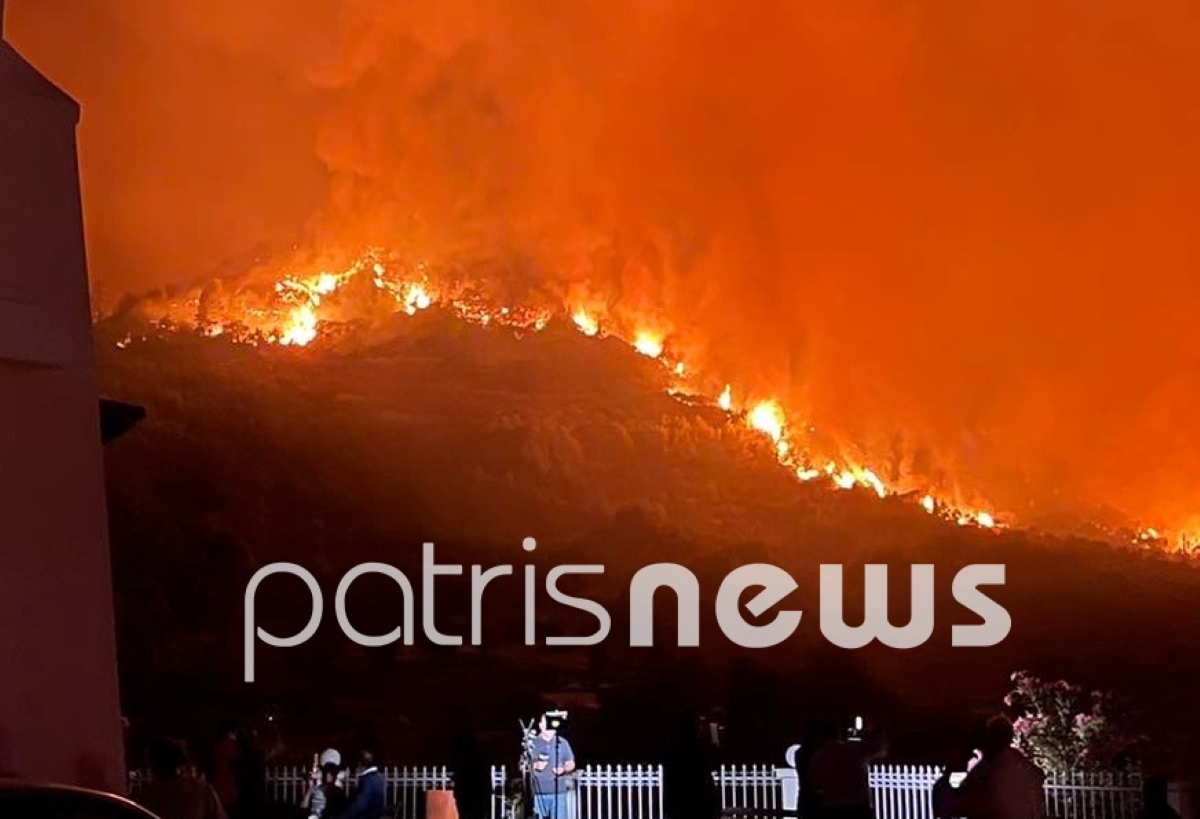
(973, 222)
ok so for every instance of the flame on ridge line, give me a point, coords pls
(296, 323)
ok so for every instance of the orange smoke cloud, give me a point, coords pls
(959, 234)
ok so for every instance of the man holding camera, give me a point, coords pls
(553, 765)
(837, 771)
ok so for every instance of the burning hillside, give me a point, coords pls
(396, 429)
(353, 307)
(945, 255)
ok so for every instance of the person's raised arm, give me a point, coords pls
(306, 802)
(880, 746)
(965, 800)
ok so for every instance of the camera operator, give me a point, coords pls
(837, 772)
(553, 764)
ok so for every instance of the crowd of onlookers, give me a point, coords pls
(232, 785)
(999, 783)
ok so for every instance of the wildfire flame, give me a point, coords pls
(725, 399)
(301, 327)
(293, 318)
(870, 479)
(416, 299)
(648, 344)
(586, 324)
(767, 418)
(844, 480)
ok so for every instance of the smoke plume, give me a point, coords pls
(959, 233)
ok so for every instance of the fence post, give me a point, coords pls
(789, 782)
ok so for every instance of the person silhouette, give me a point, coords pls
(689, 791)
(1003, 784)
(1155, 804)
(171, 795)
(472, 777)
(838, 773)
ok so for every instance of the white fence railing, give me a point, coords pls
(905, 791)
(618, 792)
(756, 787)
(635, 791)
(1084, 796)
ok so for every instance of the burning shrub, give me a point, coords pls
(1062, 727)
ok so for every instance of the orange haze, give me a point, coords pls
(975, 223)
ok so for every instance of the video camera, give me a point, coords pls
(555, 720)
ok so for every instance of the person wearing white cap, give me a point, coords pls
(325, 798)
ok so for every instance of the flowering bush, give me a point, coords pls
(1062, 727)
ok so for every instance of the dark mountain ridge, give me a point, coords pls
(361, 450)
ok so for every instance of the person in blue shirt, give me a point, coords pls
(370, 793)
(553, 764)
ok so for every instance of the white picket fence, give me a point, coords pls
(755, 787)
(635, 791)
(1083, 796)
(904, 791)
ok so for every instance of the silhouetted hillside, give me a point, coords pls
(473, 439)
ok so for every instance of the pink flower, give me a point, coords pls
(1008, 700)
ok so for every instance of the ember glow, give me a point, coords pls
(295, 312)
